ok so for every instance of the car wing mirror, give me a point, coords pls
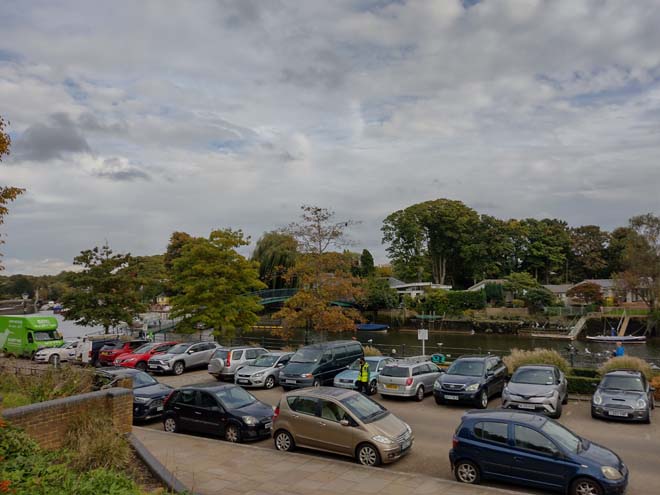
(345, 422)
(190, 351)
(652, 389)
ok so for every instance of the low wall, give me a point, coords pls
(47, 422)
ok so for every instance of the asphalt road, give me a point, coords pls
(433, 427)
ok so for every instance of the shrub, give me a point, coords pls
(627, 363)
(90, 438)
(519, 357)
(585, 372)
(453, 302)
(518, 303)
(50, 384)
(581, 385)
(655, 383)
(370, 350)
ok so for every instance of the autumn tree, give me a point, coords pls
(317, 231)
(276, 253)
(586, 293)
(7, 193)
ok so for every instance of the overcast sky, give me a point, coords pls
(133, 119)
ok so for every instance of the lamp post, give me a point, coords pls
(25, 296)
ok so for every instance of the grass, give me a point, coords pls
(371, 351)
(519, 357)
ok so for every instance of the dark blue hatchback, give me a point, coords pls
(533, 450)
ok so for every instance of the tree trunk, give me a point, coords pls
(106, 328)
(439, 269)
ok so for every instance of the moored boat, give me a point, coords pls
(371, 327)
(613, 339)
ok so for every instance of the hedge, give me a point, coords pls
(585, 372)
(581, 385)
(450, 302)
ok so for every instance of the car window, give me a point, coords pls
(431, 368)
(284, 360)
(236, 355)
(528, 439)
(327, 356)
(205, 400)
(102, 380)
(197, 347)
(251, 354)
(492, 431)
(163, 348)
(208, 346)
(143, 379)
(186, 397)
(395, 371)
(331, 411)
(466, 368)
(303, 405)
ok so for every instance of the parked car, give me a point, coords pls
(623, 394)
(139, 358)
(226, 410)
(148, 393)
(182, 357)
(535, 451)
(88, 350)
(264, 371)
(25, 335)
(473, 379)
(55, 355)
(225, 362)
(342, 422)
(347, 378)
(318, 364)
(112, 350)
(539, 388)
(408, 378)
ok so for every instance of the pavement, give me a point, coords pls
(208, 467)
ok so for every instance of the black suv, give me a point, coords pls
(623, 394)
(473, 379)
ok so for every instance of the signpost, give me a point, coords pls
(423, 335)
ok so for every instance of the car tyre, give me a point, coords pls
(419, 395)
(142, 366)
(178, 368)
(467, 472)
(270, 382)
(233, 433)
(284, 441)
(373, 387)
(585, 486)
(565, 399)
(316, 383)
(439, 401)
(483, 400)
(368, 455)
(54, 360)
(171, 425)
(557, 413)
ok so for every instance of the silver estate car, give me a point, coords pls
(538, 388)
(408, 379)
(226, 362)
(264, 371)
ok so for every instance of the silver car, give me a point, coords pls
(182, 357)
(408, 378)
(264, 371)
(540, 388)
(226, 362)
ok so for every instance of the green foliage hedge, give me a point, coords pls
(453, 302)
(627, 363)
(581, 385)
(520, 357)
(585, 372)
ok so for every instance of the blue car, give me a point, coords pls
(533, 450)
(347, 378)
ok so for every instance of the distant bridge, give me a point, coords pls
(275, 296)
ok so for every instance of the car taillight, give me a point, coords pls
(454, 442)
(167, 398)
(409, 381)
(276, 413)
(228, 360)
(89, 354)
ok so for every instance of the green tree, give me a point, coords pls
(619, 238)
(367, 268)
(377, 294)
(276, 253)
(488, 253)
(548, 244)
(587, 258)
(519, 283)
(7, 193)
(213, 284)
(151, 276)
(175, 247)
(105, 291)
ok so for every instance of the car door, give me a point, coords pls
(326, 365)
(185, 408)
(430, 376)
(331, 434)
(537, 459)
(196, 355)
(212, 417)
(492, 451)
(304, 420)
(281, 363)
(250, 356)
(207, 352)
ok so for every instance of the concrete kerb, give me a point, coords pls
(338, 464)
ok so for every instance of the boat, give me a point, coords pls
(613, 339)
(371, 327)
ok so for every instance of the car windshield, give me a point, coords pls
(44, 336)
(144, 348)
(534, 376)
(235, 398)
(265, 361)
(306, 356)
(373, 364)
(562, 436)
(143, 379)
(395, 371)
(466, 368)
(365, 409)
(179, 349)
(632, 383)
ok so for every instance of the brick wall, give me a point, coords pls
(47, 422)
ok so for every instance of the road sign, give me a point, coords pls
(423, 334)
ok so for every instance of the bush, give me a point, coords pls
(627, 363)
(453, 302)
(518, 303)
(585, 372)
(519, 357)
(90, 438)
(655, 383)
(370, 350)
(581, 385)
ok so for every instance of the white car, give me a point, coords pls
(55, 355)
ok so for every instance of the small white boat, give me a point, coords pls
(613, 339)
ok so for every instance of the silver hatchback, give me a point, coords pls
(538, 388)
(226, 362)
(264, 371)
(408, 378)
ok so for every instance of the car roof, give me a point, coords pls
(330, 345)
(377, 358)
(402, 363)
(506, 415)
(624, 373)
(243, 347)
(210, 387)
(324, 392)
(119, 370)
(475, 357)
(537, 366)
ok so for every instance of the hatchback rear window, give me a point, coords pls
(113, 345)
(395, 371)
(220, 354)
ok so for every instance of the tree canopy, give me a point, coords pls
(275, 252)
(7, 193)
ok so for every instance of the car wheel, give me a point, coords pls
(178, 368)
(270, 382)
(368, 455)
(467, 472)
(585, 486)
(142, 366)
(316, 383)
(171, 425)
(483, 400)
(419, 395)
(54, 360)
(557, 413)
(284, 441)
(286, 389)
(439, 401)
(373, 387)
(233, 433)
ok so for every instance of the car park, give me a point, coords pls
(263, 371)
(112, 350)
(139, 358)
(148, 393)
(318, 364)
(182, 357)
(623, 395)
(342, 422)
(56, 355)
(347, 378)
(408, 378)
(471, 379)
(533, 450)
(226, 410)
(88, 349)
(536, 388)
(225, 362)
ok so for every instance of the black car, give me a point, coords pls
(97, 345)
(148, 393)
(225, 410)
(623, 394)
(473, 379)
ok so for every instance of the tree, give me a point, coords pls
(492, 246)
(151, 276)
(174, 247)
(619, 238)
(276, 253)
(586, 293)
(548, 245)
(7, 193)
(105, 291)
(214, 284)
(367, 268)
(519, 283)
(587, 258)
(377, 294)
(317, 232)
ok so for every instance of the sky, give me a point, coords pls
(131, 120)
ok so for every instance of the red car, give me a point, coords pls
(113, 350)
(138, 359)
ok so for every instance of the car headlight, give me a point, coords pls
(382, 439)
(472, 388)
(261, 373)
(249, 420)
(611, 473)
(307, 375)
(549, 394)
(141, 400)
(408, 428)
(598, 399)
(641, 404)
(437, 385)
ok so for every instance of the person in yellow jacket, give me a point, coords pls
(363, 377)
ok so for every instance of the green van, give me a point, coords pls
(25, 335)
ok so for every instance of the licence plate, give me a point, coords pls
(391, 386)
(621, 414)
(451, 397)
(153, 366)
(526, 406)
(244, 381)
(289, 381)
(268, 426)
(159, 408)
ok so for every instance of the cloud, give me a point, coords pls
(119, 169)
(50, 140)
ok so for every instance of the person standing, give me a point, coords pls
(619, 351)
(363, 377)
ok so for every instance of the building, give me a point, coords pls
(414, 289)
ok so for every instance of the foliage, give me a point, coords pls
(377, 294)
(275, 252)
(655, 383)
(521, 357)
(316, 232)
(213, 284)
(588, 252)
(494, 294)
(175, 247)
(51, 383)
(105, 291)
(367, 268)
(585, 372)
(538, 298)
(519, 283)
(450, 302)
(517, 303)
(581, 385)
(626, 363)
(151, 276)
(586, 293)
(90, 438)
(370, 350)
